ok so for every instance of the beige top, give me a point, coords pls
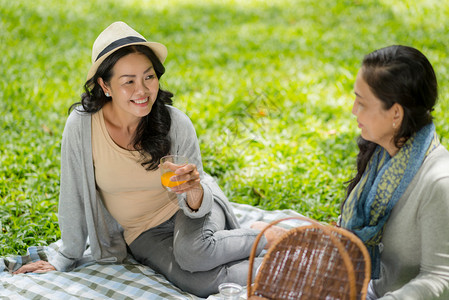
(133, 196)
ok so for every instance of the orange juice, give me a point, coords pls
(165, 179)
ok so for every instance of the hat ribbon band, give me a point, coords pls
(120, 42)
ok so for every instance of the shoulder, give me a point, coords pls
(77, 116)
(433, 177)
(180, 122)
(77, 122)
(436, 165)
(177, 115)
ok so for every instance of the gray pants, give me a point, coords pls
(198, 254)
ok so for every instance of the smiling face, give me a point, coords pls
(133, 86)
(378, 124)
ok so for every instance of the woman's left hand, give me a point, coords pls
(190, 175)
(191, 186)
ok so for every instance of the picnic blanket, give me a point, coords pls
(129, 280)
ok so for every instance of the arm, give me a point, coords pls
(71, 215)
(185, 142)
(432, 281)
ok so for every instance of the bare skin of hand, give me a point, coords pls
(187, 173)
(191, 186)
(272, 234)
(40, 266)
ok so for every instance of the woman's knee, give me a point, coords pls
(194, 255)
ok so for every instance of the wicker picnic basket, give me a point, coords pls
(311, 262)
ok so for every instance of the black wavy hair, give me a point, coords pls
(403, 75)
(151, 138)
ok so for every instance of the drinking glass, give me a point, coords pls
(230, 291)
(168, 165)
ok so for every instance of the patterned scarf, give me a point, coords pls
(367, 208)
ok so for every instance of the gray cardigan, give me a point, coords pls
(83, 219)
(415, 256)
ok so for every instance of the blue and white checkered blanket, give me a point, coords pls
(129, 280)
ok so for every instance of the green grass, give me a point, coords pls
(268, 85)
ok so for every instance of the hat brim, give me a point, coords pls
(159, 50)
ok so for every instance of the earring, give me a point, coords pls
(107, 94)
(394, 124)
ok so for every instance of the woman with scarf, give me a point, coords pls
(398, 202)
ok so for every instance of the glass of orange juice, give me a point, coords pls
(168, 166)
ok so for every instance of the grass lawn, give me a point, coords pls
(268, 85)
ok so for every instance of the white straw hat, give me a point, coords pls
(116, 36)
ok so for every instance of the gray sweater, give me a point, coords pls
(415, 256)
(84, 220)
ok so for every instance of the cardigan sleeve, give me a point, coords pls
(184, 142)
(71, 214)
(432, 281)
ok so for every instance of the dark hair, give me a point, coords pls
(151, 138)
(403, 75)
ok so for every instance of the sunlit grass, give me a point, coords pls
(268, 85)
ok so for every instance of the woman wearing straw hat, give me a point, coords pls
(398, 202)
(111, 193)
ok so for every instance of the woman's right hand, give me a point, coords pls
(40, 266)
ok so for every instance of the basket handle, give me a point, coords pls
(341, 249)
(256, 243)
